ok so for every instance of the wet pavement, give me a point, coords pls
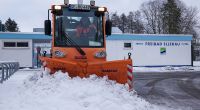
(173, 89)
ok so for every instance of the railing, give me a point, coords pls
(7, 69)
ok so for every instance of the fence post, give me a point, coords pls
(2, 73)
(7, 70)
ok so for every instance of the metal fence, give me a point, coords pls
(7, 69)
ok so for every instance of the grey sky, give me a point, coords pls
(32, 13)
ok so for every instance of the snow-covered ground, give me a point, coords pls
(26, 90)
(196, 63)
(194, 68)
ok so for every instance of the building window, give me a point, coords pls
(9, 44)
(22, 44)
(128, 45)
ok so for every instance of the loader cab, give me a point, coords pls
(79, 27)
(83, 27)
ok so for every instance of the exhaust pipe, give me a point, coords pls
(92, 2)
(66, 2)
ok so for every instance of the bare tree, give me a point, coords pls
(130, 19)
(153, 17)
(115, 19)
(123, 23)
(138, 25)
(189, 20)
(135, 24)
(150, 19)
(151, 12)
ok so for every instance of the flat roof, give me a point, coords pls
(151, 37)
(27, 35)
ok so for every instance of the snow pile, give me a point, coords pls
(146, 69)
(167, 69)
(60, 92)
(194, 68)
(196, 63)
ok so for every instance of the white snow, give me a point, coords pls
(166, 69)
(26, 90)
(194, 68)
(196, 63)
(116, 30)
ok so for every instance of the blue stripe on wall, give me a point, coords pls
(23, 36)
(150, 37)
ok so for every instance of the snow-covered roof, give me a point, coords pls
(116, 30)
(24, 35)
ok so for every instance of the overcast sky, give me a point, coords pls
(31, 13)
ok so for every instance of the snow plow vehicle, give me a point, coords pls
(79, 43)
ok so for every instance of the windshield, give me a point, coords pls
(83, 28)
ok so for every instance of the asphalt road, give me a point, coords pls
(175, 90)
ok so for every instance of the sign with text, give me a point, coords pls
(162, 43)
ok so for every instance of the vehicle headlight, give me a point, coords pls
(57, 7)
(102, 9)
(101, 54)
(59, 54)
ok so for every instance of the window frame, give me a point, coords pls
(9, 46)
(16, 46)
(102, 30)
(22, 46)
(128, 48)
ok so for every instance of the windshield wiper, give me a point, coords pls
(67, 38)
(78, 48)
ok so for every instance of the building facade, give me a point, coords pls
(21, 47)
(146, 50)
(151, 50)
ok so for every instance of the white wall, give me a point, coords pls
(144, 54)
(21, 55)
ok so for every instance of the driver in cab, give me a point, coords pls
(85, 28)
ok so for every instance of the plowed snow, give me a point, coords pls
(60, 92)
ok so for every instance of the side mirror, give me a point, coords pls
(98, 13)
(108, 27)
(47, 27)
